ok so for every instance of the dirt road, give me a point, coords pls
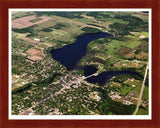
(141, 92)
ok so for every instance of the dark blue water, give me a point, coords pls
(103, 77)
(89, 70)
(70, 55)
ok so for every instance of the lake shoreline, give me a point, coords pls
(71, 54)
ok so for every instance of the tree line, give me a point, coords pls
(110, 106)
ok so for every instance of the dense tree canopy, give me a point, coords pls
(119, 29)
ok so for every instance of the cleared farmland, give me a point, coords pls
(25, 21)
(30, 40)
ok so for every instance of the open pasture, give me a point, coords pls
(19, 35)
(55, 35)
(138, 35)
(132, 43)
(143, 16)
(129, 64)
(74, 22)
(127, 87)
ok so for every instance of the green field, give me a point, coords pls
(132, 44)
(143, 17)
(145, 93)
(136, 35)
(126, 89)
(107, 48)
(143, 112)
(84, 20)
(113, 46)
(19, 35)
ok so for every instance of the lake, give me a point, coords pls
(70, 55)
(89, 70)
(103, 77)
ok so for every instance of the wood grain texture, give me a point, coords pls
(6, 4)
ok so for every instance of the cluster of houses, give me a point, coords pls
(117, 97)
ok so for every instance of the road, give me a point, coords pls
(141, 92)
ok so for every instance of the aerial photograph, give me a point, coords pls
(80, 62)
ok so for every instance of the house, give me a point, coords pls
(127, 102)
(36, 39)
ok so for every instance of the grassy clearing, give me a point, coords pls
(56, 35)
(35, 20)
(108, 48)
(137, 89)
(105, 48)
(113, 46)
(84, 20)
(143, 112)
(146, 34)
(141, 16)
(145, 93)
(125, 90)
(128, 64)
(136, 35)
(124, 13)
(48, 44)
(47, 24)
(19, 35)
(16, 44)
(63, 34)
(74, 30)
(132, 44)
(134, 82)
(60, 35)
(71, 26)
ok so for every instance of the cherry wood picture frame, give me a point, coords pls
(5, 5)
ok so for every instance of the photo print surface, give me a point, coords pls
(80, 63)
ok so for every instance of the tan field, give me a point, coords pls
(25, 21)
